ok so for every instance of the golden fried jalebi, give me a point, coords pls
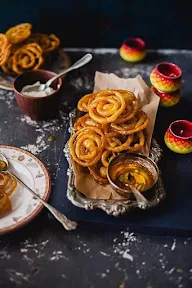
(99, 173)
(21, 51)
(85, 101)
(27, 57)
(48, 43)
(86, 146)
(116, 115)
(116, 144)
(7, 187)
(86, 121)
(106, 157)
(8, 66)
(107, 106)
(131, 109)
(136, 124)
(18, 33)
(5, 49)
(138, 142)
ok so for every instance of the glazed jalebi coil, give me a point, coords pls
(27, 57)
(132, 105)
(21, 50)
(136, 124)
(5, 49)
(86, 146)
(7, 186)
(107, 106)
(120, 122)
(86, 121)
(18, 33)
(48, 43)
(85, 101)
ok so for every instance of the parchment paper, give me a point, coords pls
(149, 103)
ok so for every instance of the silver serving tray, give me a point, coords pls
(111, 207)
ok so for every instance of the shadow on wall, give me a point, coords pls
(165, 24)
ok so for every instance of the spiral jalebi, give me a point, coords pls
(113, 123)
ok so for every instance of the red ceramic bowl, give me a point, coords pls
(166, 77)
(178, 137)
(167, 99)
(38, 108)
(133, 50)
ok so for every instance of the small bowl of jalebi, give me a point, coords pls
(41, 105)
(133, 50)
(133, 169)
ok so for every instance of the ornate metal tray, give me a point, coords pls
(111, 207)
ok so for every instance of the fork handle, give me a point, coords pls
(67, 223)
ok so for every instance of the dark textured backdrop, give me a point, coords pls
(97, 23)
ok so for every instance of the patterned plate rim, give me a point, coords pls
(40, 206)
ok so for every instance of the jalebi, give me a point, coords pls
(18, 33)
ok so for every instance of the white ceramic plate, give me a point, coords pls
(32, 172)
(61, 63)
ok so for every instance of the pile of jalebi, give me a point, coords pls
(113, 123)
(7, 187)
(20, 50)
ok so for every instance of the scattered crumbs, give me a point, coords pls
(104, 254)
(38, 147)
(41, 142)
(17, 277)
(82, 82)
(57, 255)
(44, 242)
(7, 97)
(123, 247)
(141, 69)
(137, 271)
(170, 271)
(165, 245)
(26, 258)
(33, 249)
(115, 240)
(173, 245)
(23, 250)
(179, 270)
(126, 255)
(4, 254)
(103, 275)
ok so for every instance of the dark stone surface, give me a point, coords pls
(42, 253)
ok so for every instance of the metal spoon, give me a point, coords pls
(141, 200)
(81, 62)
(67, 224)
